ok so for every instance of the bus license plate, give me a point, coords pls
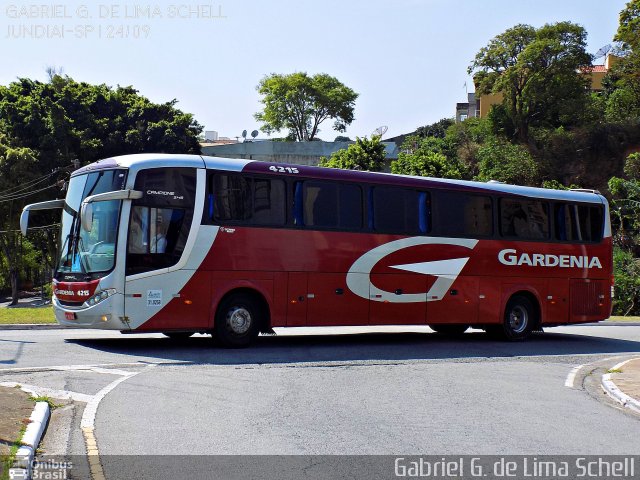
(69, 315)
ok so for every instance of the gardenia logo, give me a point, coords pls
(511, 257)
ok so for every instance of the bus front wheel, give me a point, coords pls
(236, 323)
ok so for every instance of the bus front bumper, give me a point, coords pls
(104, 315)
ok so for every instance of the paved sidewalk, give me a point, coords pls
(628, 381)
(15, 410)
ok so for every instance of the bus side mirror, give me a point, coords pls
(86, 216)
(48, 205)
(24, 221)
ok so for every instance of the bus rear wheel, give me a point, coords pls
(520, 318)
(237, 321)
(449, 330)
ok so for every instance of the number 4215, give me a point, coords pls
(280, 169)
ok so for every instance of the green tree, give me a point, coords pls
(625, 204)
(365, 154)
(623, 80)
(462, 141)
(537, 72)
(626, 272)
(65, 120)
(507, 162)
(426, 157)
(17, 171)
(300, 103)
(437, 129)
(45, 127)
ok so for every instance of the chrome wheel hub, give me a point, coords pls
(518, 319)
(239, 320)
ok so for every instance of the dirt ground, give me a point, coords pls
(15, 410)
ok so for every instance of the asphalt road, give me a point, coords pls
(411, 393)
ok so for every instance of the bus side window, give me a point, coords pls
(459, 214)
(398, 210)
(525, 219)
(248, 200)
(298, 205)
(332, 205)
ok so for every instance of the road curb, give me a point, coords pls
(30, 440)
(34, 326)
(618, 395)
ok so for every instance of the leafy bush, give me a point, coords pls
(365, 154)
(627, 282)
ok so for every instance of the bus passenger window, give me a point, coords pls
(332, 205)
(248, 200)
(524, 219)
(459, 214)
(397, 210)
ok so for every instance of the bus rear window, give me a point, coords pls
(524, 219)
(578, 223)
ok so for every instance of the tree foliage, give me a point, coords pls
(46, 127)
(507, 162)
(426, 157)
(537, 72)
(364, 154)
(300, 103)
(437, 129)
(64, 119)
(623, 80)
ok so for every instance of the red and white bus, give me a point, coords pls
(181, 244)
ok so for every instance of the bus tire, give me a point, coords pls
(177, 335)
(237, 321)
(449, 330)
(519, 319)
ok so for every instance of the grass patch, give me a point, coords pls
(10, 316)
(52, 405)
(614, 370)
(623, 319)
(7, 462)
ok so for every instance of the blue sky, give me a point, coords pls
(406, 58)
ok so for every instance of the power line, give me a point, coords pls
(32, 183)
(33, 228)
(18, 197)
(26, 186)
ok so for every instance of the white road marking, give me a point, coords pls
(63, 368)
(89, 415)
(49, 392)
(572, 376)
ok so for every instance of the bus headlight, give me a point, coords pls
(100, 296)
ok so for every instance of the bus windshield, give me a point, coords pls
(91, 252)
